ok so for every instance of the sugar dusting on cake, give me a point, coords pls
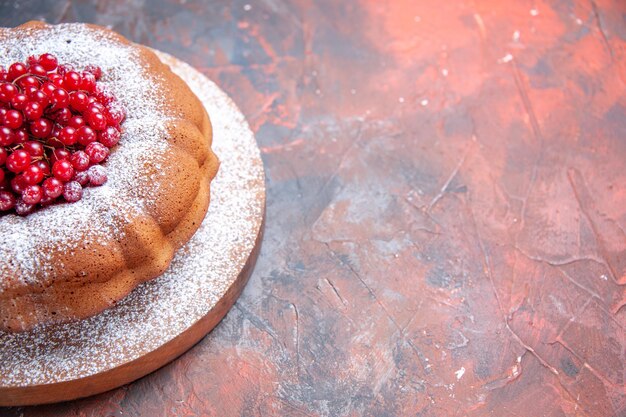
(199, 275)
(68, 226)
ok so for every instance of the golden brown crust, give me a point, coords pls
(105, 271)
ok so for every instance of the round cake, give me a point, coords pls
(69, 261)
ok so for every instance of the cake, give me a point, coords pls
(69, 261)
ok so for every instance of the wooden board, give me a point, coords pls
(165, 317)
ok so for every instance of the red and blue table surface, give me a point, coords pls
(446, 207)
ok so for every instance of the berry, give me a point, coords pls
(78, 101)
(44, 166)
(109, 137)
(60, 99)
(20, 136)
(72, 191)
(63, 170)
(59, 155)
(97, 175)
(48, 61)
(80, 160)
(32, 194)
(71, 81)
(32, 60)
(39, 97)
(33, 175)
(116, 116)
(7, 137)
(19, 101)
(76, 122)
(18, 161)
(48, 88)
(56, 79)
(33, 110)
(67, 136)
(81, 177)
(7, 200)
(22, 208)
(88, 82)
(86, 135)
(28, 81)
(13, 119)
(35, 149)
(57, 125)
(95, 107)
(95, 70)
(7, 91)
(18, 184)
(52, 187)
(62, 116)
(37, 70)
(97, 121)
(97, 152)
(41, 128)
(16, 70)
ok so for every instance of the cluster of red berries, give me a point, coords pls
(56, 128)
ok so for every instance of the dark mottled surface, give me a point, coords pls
(446, 207)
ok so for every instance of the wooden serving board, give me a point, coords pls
(162, 318)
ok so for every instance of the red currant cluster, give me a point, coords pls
(56, 127)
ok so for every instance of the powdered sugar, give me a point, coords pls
(201, 272)
(102, 209)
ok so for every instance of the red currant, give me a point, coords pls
(62, 116)
(41, 128)
(97, 152)
(97, 175)
(32, 194)
(71, 81)
(38, 70)
(48, 61)
(60, 99)
(95, 70)
(22, 208)
(13, 119)
(72, 191)
(67, 136)
(80, 160)
(34, 148)
(59, 154)
(7, 92)
(7, 200)
(39, 97)
(33, 110)
(19, 101)
(97, 121)
(7, 137)
(109, 137)
(76, 122)
(86, 135)
(43, 166)
(63, 170)
(88, 82)
(20, 136)
(52, 187)
(18, 161)
(16, 70)
(81, 177)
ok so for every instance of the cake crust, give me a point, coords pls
(71, 261)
